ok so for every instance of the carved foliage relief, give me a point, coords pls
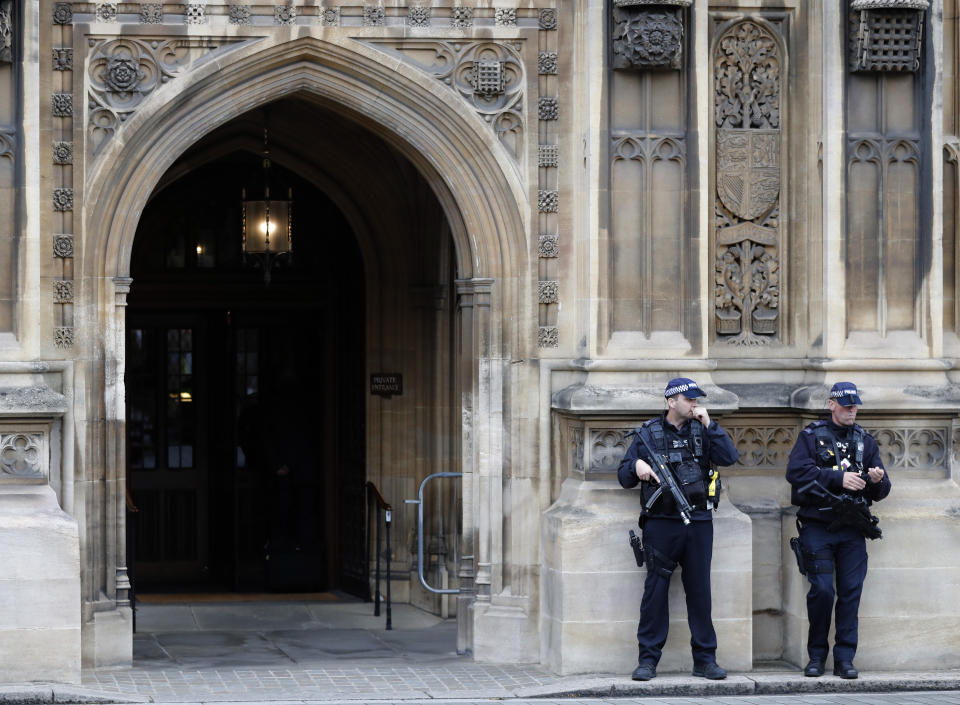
(124, 72)
(647, 37)
(6, 30)
(747, 106)
(488, 75)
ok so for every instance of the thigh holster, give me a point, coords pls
(658, 562)
(818, 561)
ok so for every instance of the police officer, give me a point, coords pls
(843, 459)
(691, 444)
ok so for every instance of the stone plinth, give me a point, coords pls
(592, 587)
(39, 587)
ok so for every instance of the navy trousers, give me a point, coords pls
(692, 548)
(849, 552)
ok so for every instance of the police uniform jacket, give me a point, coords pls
(718, 449)
(810, 461)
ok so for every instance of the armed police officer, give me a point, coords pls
(835, 473)
(689, 445)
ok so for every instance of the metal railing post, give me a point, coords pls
(419, 502)
(376, 580)
(387, 518)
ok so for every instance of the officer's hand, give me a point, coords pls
(876, 474)
(701, 415)
(645, 472)
(853, 482)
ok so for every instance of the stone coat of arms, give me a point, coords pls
(748, 170)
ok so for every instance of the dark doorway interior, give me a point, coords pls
(245, 400)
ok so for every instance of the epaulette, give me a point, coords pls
(815, 425)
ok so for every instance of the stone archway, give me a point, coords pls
(469, 174)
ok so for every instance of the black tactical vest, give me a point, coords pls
(683, 455)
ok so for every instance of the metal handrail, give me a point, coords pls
(384, 506)
(419, 502)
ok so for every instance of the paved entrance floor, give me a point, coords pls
(337, 651)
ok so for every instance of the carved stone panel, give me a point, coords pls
(886, 35)
(8, 142)
(488, 75)
(63, 59)
(763, 447)
(747, 107)
(23, 455)
(913, 448)
(647, 37)
(607, 448)
(6, 30)
(122, 73)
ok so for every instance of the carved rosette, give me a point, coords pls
(488, 75)
(63, 337)
(373, 16)
(63, 59)
(239, 15)
(151, 13)
(547, 63)
(647, 36)
(285, 14)
(122, 73)
(329, 16)
(22, 455)
(548, 201)
(747, 106)
(505, 17)
(63, 245)
(418, 16)
(548, 245)
(548, 337)
(548, 291)
(461, 17)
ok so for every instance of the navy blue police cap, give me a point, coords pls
(845, 394)
(686, 387)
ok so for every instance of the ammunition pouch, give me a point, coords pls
(658, 563)
(690, 478)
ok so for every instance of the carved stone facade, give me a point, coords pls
(747, 114)
(574, 202)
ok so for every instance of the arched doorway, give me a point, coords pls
(480, 194)
(246, 394)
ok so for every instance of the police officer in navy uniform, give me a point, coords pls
(843, 458)
(692, 445)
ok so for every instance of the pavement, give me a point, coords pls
(337, 651)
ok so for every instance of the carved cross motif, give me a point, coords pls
(63, 59)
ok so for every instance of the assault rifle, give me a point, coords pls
(849, 510)
(667, 481)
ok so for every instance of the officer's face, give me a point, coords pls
(683, 408)
(843, 415)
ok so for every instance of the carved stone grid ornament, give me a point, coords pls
(285, 14)
(747, 75)
(547, 63)
(62, 291)
(62, 104)
(913, 448)
(454, 64)
(886, 36)
(607, 448)
(63, 245)
(194, 13)
(63, 59)
(763, 447)
(63, 337)
(123, 72)
(373, 16)
(548, 18)
(63, 152)
(548, 201)
(548, 337)
(505, 17)
(106, 12)
(22, 455)
(151, 13)
(6, 30)
(62, 199)
(8, 142)
(548, 292)
(418, 16)
(461, 17)
(576, 449)
(239, 15)
(329, 16)
(647, 37)
(488, 78)
(62, 13)
(548, 245)
(548, 108)
(548, 155)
